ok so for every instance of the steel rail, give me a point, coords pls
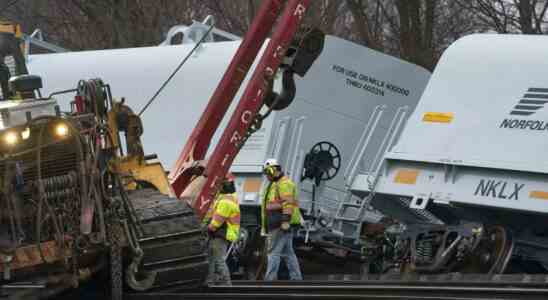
(360, 290)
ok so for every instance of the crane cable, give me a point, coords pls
(175, 71)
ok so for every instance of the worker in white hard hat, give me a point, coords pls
(280, 215)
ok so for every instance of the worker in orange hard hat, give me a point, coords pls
(229, 179)
(223, 228)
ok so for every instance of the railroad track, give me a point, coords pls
(373, 289)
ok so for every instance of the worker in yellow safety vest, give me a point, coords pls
(280, 216)
(223, 228)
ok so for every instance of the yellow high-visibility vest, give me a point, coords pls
(226, 212)
(272, 201)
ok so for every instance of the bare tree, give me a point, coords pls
(415, 30)
(505, 16)
(325, 14)
(236, 16)
(100, 24)
(233, 16)
(369, 21)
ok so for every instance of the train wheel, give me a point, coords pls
(492, 254)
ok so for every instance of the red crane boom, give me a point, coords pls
(249, 105)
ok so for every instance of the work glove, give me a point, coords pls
(210, 232)
(285, 226)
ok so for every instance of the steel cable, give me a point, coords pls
(175, 71)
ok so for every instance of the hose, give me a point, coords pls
(7, 178)
(41, 191)
(41, 198)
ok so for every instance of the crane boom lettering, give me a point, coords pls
(249, 105)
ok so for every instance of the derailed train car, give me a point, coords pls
(468, 174)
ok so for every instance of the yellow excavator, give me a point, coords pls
(77, 200)
(135, 167)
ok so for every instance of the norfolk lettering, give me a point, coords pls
(498, 189)
(524, 124)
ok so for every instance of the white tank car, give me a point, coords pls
(475, 147)
(349, 91)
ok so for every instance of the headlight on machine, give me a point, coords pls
(25, 134)
(61, 130)
(11, 138)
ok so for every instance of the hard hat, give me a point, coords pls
(230, 177)
(270, 166)
(228, 186)
(270, 163)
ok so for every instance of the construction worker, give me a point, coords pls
(223, 228)
(280, 216)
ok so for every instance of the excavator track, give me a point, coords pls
(173, 241)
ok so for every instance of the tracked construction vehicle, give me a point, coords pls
(79, 196)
